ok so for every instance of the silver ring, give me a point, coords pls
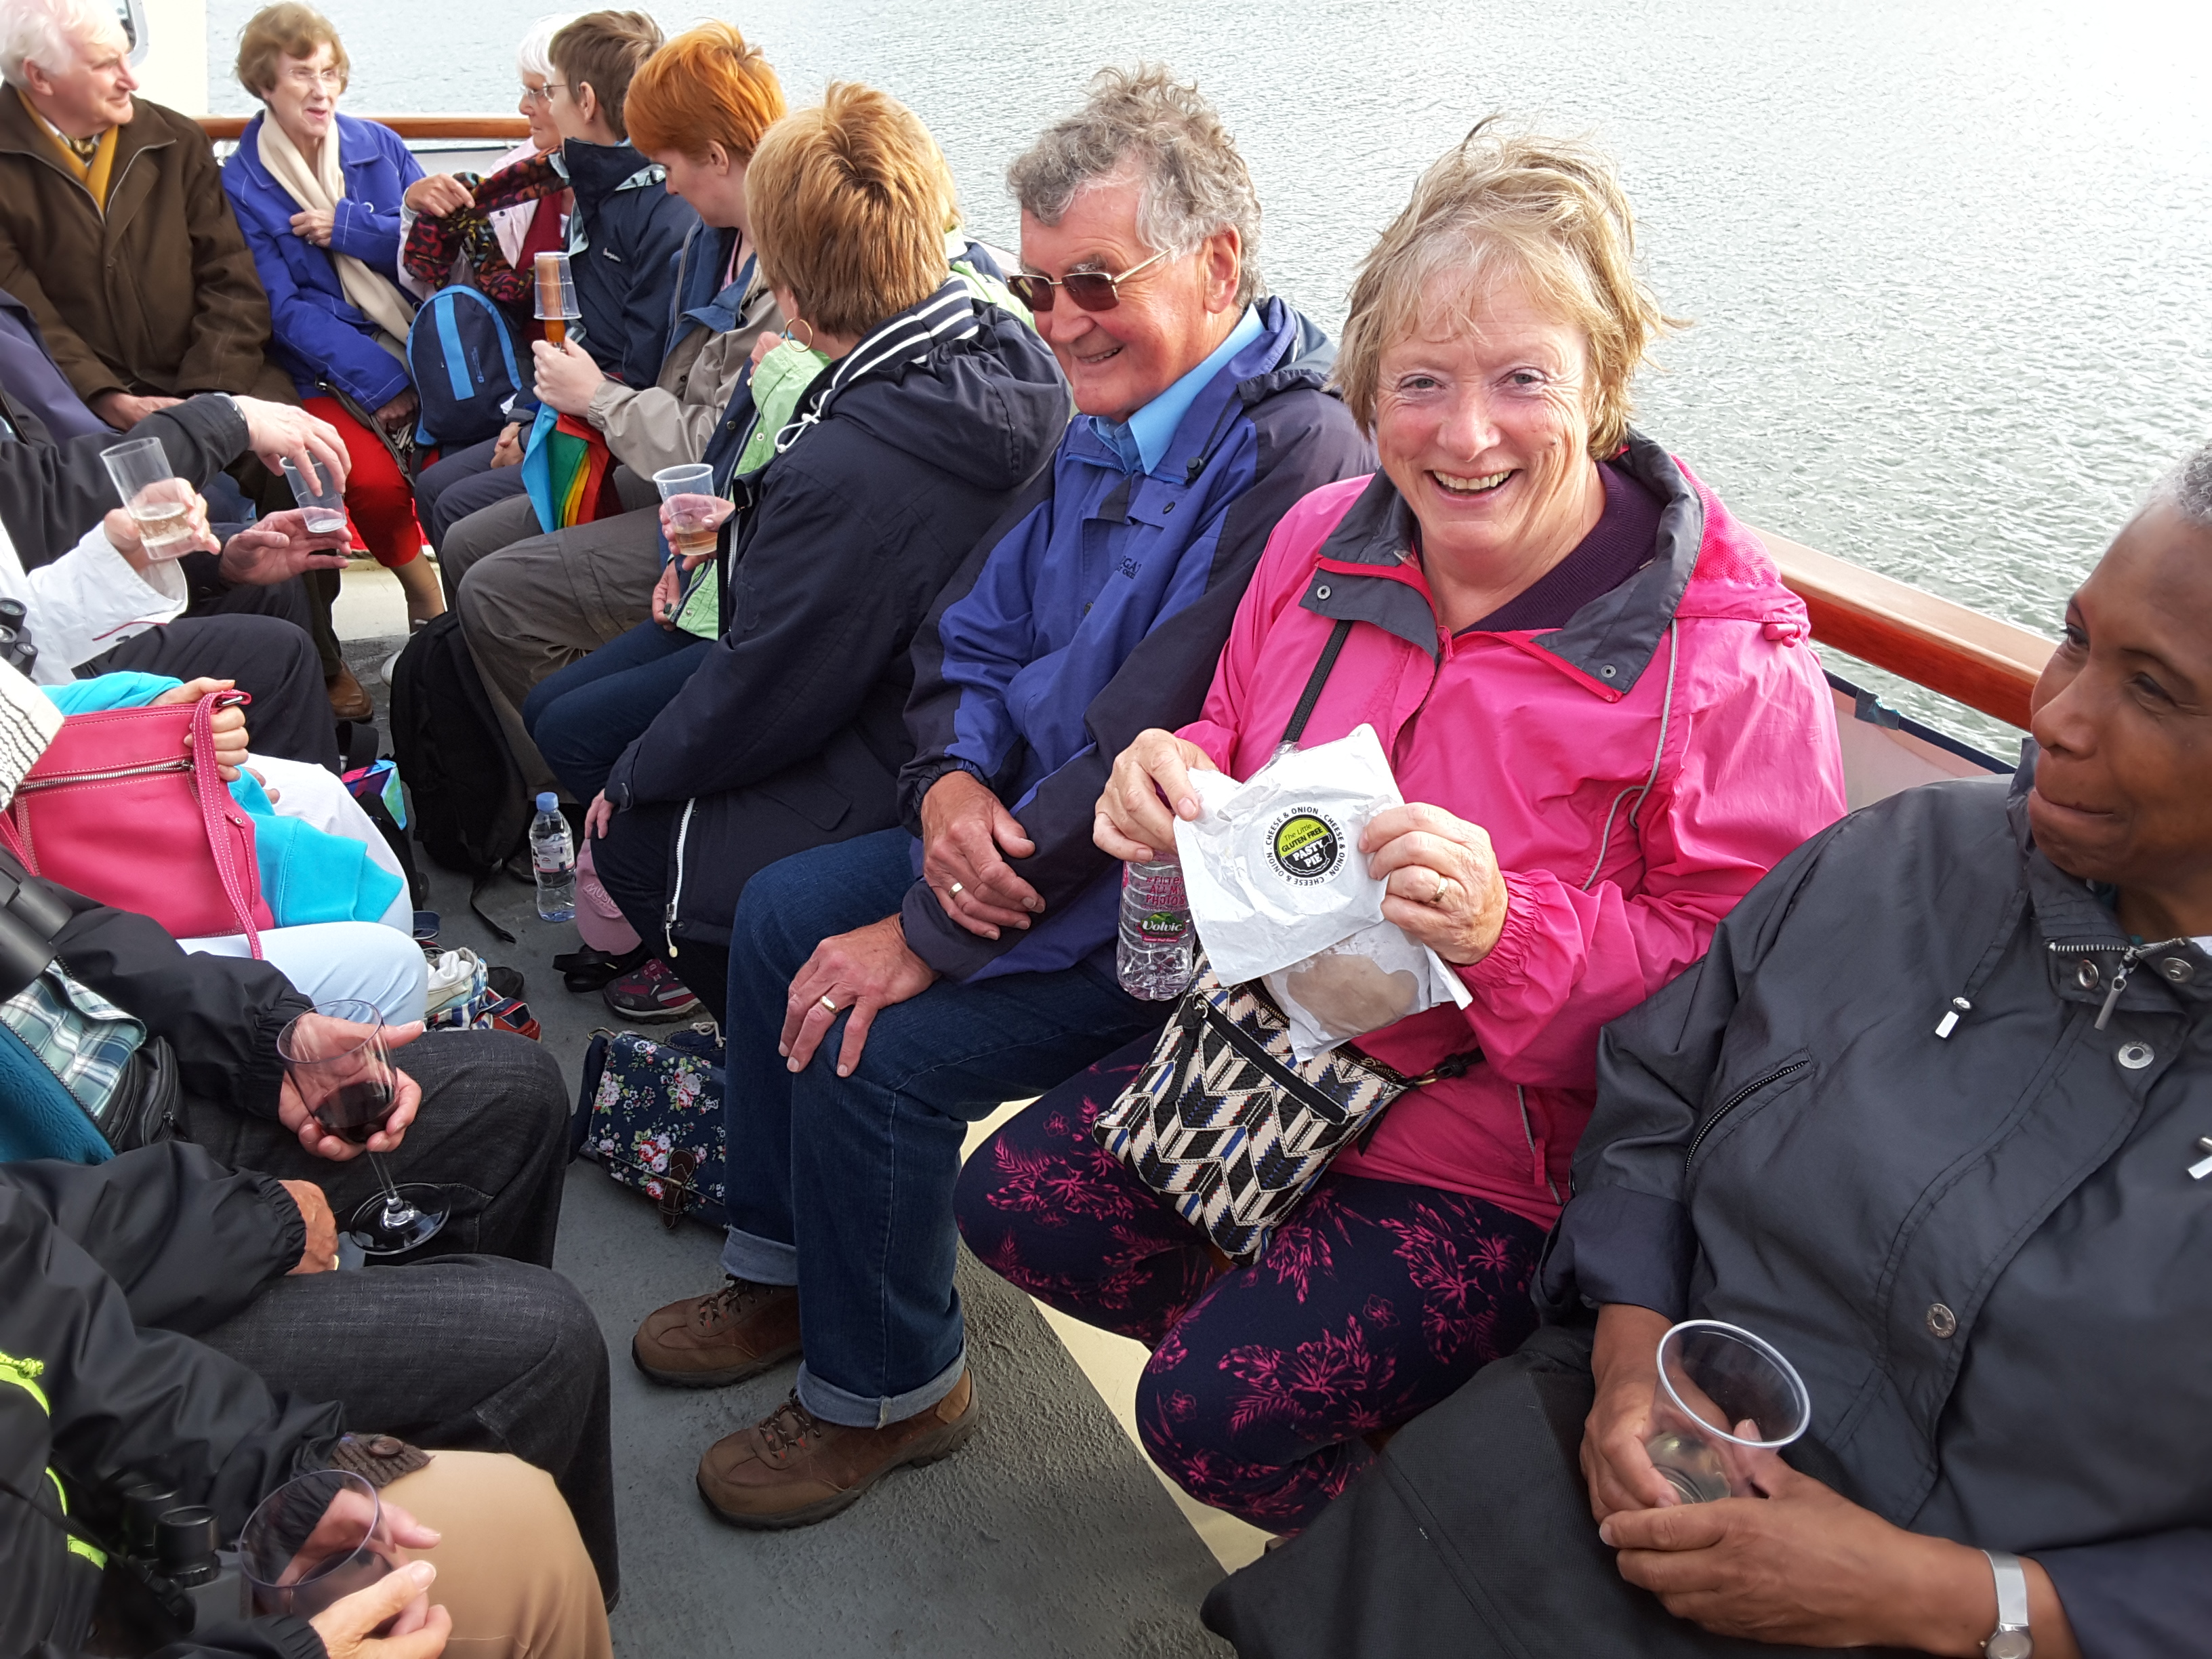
(1437, 897)
(953, 891)
(830, 1006)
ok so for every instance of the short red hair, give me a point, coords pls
(707, 86)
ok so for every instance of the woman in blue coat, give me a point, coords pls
(317, 196)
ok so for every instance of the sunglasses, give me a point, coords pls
(1092, 290)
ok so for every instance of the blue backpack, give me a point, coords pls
(460, 353)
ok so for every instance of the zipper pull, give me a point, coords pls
(2119, 984)
(1950, 1021)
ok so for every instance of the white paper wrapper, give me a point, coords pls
(1272, 865)
(1279, 891)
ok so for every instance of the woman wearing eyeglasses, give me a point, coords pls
(318, 194)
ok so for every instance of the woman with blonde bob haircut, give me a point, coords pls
(870, 449)
(1596, 696)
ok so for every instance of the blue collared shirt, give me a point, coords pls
(1144, 438)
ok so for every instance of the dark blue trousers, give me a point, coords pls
(583, 717)
(843, 1185)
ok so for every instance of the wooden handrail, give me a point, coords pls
(1975, 658)
(507, 127)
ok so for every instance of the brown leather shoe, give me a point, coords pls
(725, 1336)
(793, 1470)
(348, 700)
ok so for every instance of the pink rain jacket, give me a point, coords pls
(1637, 771)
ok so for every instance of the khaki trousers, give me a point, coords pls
(511, 1570)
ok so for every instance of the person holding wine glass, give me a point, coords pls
(479, 1547)
(335, 1064)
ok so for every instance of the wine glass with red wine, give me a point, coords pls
(337, 1059)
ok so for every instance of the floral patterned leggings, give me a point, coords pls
(1374, 1302)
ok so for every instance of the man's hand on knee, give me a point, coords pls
(967, 837)
(866, 970)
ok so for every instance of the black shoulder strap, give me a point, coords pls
(1307, 702)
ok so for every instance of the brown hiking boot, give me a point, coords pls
(725, 1336)
(793, 1470)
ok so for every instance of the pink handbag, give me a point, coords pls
(118, 810)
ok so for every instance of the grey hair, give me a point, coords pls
(2189, 486)
(535, 55)
(50, 33)
(1193, 181)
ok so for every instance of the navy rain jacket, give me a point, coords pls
(1096, 608)
(630, 229)
(792, 726)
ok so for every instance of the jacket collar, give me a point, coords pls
(886, 349)
(595, 172)
(1606, 644)
(2076, 926)
(21, 133)
(1289, 353)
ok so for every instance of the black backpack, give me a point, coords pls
(471, 814)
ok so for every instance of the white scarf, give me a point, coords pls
(323, 187)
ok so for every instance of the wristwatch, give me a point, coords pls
(2010, 1640)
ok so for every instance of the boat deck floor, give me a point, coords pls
(1050, 1533)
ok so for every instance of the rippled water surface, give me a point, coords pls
(1950, 265)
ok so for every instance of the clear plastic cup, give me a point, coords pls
(319, 498)
(688, 491)
(159, 502)
(556, 296)
(314, 1540)
(1723, 1397)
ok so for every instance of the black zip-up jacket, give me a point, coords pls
(626, 274)
(220, 1015)
(92, 1398)
(911, 445)
(1971, 1224)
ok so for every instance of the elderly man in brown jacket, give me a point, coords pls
(114, 229)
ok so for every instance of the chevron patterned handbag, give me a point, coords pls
(1223, 1122)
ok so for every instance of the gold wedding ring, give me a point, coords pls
(1437, 897)
(830, 1006)
(953, 891)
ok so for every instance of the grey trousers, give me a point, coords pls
(469, 1353)
(1471, 1536)
(535, 605)
(493, 1130)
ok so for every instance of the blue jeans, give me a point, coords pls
(843, 1185)
(583, 717)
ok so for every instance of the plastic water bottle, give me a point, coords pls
(553, 856)
(1154, 960)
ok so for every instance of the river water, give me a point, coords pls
(1950, 265)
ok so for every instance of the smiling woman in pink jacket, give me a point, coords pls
(1603, 706)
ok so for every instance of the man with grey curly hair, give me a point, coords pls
(982, 970)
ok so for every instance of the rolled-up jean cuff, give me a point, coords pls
(763, 1261)
(834, 1405)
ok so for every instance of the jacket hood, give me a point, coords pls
(1704, 564)
(955, 382)
(597, 171)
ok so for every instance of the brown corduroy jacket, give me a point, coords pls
(158, 295)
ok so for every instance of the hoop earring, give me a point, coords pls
(800, 322)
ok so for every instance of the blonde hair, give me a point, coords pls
(849, 202)
(1548, 212)
(286, 30)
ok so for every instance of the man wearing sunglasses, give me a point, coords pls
(972, 961)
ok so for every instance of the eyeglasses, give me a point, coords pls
(543, 94)
(1093, 290)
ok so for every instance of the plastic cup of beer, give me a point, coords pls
(690, 504)
(556, 296)
(1724, 1397)
(159, 502)
(319, 498)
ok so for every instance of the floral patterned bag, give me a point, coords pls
(650, 1114)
